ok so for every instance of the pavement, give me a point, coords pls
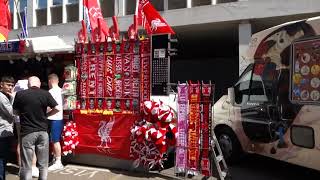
(80, 172)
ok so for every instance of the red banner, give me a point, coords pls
(118, 80)
(127, 76)
(92, 78)
(194, 128)
(84, 78)
(104, 135)
(145, 68)
(5, 20)
(100, 76)
(93, 13)
(109, 76)
(157, 24)
(136, 75)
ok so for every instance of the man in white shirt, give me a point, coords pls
(56, 121)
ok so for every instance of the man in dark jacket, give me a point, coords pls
(31, 105)
(6, 121)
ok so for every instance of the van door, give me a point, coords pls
(256, 113)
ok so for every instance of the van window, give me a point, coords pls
(257, 90)
(263, 81)
(241, 88)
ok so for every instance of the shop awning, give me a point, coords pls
(41, 45)
(50, 44)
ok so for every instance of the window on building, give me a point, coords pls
(41, 12)
(12, 6)
(56, 14)
(57, 2)
(73, 1)
(130, 6)
(226, 1)
(72, 12)
(41, 4)
(23, 4)
(158, 4)
(177, 4)
(200, 2)
(19, 23)
(107, 8)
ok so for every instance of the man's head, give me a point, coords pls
(7, 84)
(127, 103)
(53, 80)
(34, 81)
(109, 103)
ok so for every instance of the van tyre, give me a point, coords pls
(229, 145)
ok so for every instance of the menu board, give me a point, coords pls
(305, 72)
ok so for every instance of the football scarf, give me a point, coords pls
(100, 77)
(193, 129)
(127, 77)
(84, 78)
(145, 69)
(181, 152)
(118, 79)
(109, 77)
(92, 79)
(136, 70)
(206, 93)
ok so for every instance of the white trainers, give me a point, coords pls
(57, 165)
(35, 172)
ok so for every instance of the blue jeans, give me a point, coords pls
(38, 142)
(5, 143)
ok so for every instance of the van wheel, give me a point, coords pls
(229, 144)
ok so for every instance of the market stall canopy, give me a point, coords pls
(48, 44)
(37, 45)
(273, 42)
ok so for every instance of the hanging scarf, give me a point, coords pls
(127, 77)
(194, 128)
(92, 79)
(145, 68)
(109, 77)
(84, 74)
(181, 153)
(118, 82)
(135, 46)
(206, 93)
(100, 77)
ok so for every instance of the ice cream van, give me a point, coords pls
(274, 107)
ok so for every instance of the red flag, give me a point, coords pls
(98, 35)
(156, 23)
(133, 28)
(82, 34)
(5, 20)
(114, 29)
(93, 11)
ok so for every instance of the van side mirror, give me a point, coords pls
(231, 96)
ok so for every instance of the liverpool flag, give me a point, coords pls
(5, 20)
(93, 13)
(150, 19)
